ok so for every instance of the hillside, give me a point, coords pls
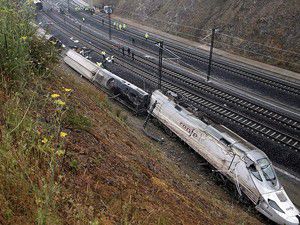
(272, 23)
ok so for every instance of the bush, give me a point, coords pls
(75, 120)
(28, 146)
(23, 57)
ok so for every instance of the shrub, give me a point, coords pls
(75, 120)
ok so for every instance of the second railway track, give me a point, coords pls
(200, 102)
(226, 96)
(201, 57)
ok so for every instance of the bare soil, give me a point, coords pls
(114, 173)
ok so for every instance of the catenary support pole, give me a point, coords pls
(109, 21)
(160, 61)
(211, 53)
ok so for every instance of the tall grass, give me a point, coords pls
(31, 142)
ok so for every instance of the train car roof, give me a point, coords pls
(239, 145)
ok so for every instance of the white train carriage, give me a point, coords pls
(241, 162)
(128, 92)
(83, 66)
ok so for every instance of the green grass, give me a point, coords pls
(75, 120)
(28, 144)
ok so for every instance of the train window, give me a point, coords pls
(267, 169)
(224, 141)
(274, 205)
(254, 171)
(178, 107)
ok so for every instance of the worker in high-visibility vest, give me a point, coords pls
(117, 25)
(103, 53)
(114, 23)
(146, 36)
(120, 26)
(83, 19)
(124, 26)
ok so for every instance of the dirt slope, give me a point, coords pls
(122, 178)
(269, 22)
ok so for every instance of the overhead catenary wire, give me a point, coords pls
(256, 53)
(179, 59)
(209, 30)
(160, 20)
(233, 46)
(268, 46)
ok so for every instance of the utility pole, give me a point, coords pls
(160, 61)
(211, 53)
(109, 21)
(108, 10)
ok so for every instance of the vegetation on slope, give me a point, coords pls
(29, 142)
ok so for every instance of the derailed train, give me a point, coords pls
(241, 162)
(129, 94)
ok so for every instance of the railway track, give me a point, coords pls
(188, 54)
(205, 88)
(199, 101)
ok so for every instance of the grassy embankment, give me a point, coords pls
(31, 119)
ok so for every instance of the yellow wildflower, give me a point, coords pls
(23, 38)
(59, 102)
(63, 134)
(45, 140)
(67, 89)
(60, 153)
(55, 95)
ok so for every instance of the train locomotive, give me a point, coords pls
(242, 163)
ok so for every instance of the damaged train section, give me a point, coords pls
(125, 92)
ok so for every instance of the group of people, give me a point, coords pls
(120, 26)
(109, 59)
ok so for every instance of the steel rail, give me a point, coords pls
(257, 76)
(222, 111)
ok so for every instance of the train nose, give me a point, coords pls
(298, 217)
(280, 212)
(294, 220)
